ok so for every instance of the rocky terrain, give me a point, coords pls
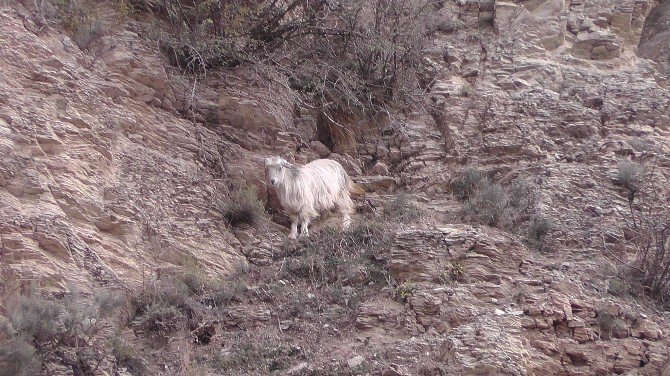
(116, 168)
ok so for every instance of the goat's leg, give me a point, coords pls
(304, 225)
(346, 220)
(294, 227)
(346, 207)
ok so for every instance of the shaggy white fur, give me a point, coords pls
(305, 191)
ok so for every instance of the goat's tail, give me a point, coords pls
(355, 189)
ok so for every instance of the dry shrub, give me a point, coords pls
(204, 35)
(37, 327)
(18, 357)
(333, 269)
(402, 208)
(244, 207)
(646, 227)
(629, 176)
(467, 182)
(361, 61)
(487, 205)
(183, 300)
(354, 59)
(512, 207)
(127, 357)
(257, 354)
(86, 21)
(537, 232)
(335, 257)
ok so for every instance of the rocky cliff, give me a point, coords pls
(115, 167)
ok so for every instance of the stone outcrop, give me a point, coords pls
(113, 167)
(655, 34)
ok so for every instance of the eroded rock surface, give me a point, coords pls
(112, 168)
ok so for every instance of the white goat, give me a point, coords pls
(304, 191)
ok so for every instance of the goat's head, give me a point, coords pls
(275, 170)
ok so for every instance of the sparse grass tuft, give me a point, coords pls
(402, 209)
(467, 182)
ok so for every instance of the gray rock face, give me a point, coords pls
(654, 43)
(107, 175)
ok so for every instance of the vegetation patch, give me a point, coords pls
(537, 232)
(244, 207)
(38, 328)
(467, 182)
(454, 271)
(403, 291)
(646, 230)
(401, 208)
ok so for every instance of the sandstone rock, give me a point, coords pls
(377, 183)
(355, 361)
(597, 45)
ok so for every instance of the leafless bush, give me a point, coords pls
(646, 226)
(487, 205)
(342, 257)
(86, 21)
(353, 58)
(183, 300)
(213, 34)
(537, 232)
